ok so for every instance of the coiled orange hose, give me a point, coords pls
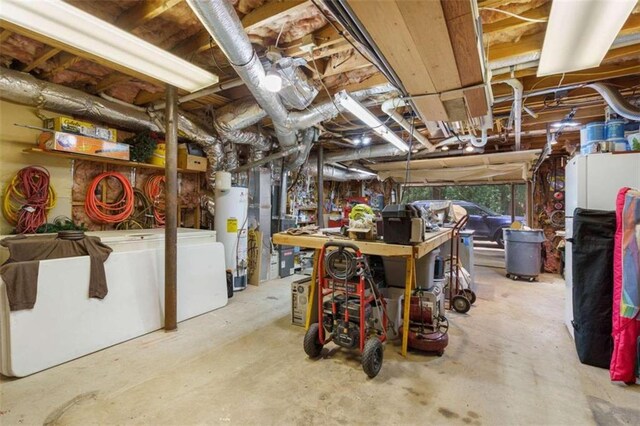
(105, 212)
(154, 190)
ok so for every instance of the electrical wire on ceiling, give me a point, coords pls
(514, 15)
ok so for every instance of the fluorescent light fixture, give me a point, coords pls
(363, 171)
(81, 31)
(364, 115)
(272, 81)
(580, 33)
(565, 124)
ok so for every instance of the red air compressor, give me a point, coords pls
(351, 311)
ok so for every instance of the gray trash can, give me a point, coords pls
(523, 253)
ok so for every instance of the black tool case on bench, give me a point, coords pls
(397, 223)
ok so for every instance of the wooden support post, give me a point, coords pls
(409, 282)
(312, 309)
(171, 212)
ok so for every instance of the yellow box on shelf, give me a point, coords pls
(71, 125)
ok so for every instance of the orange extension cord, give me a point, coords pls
(28, 198)
(154, 190)
(105, 212)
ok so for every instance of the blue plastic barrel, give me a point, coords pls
(595, 131)
(615, 129)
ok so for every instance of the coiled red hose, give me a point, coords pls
(154, 190)
(105, 212)
(31, 188)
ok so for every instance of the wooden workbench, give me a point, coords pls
(379, 248)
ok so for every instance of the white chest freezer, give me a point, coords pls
(66, 324)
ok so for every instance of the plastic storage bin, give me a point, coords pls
(523, 253)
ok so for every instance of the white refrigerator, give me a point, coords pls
(592, 182)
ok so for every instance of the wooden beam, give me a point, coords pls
(461, 25)
(323, 38)
(385, 23)
(5, 34)
(429, 31)
(143, 12)
(143, 97)
(111, 80)
(476, 100)
(509, 24)
(527, 44)
(339, 65)
(257, 18)
(47, 53)
(65, 60)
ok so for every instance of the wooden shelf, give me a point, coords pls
(307, 208)
(103, 160)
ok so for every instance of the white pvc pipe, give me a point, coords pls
(389, 107)
(517, 107)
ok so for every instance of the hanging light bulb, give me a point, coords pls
(272, 81)
(445, 148)
(469, 148)
(366, 140)
(553, 140)
(357, 141)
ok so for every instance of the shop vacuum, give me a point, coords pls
(428, 327)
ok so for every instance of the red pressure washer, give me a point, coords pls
(351, 311)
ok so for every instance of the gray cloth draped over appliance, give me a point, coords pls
(20, 271)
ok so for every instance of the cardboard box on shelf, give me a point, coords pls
(191, 162)
(60, 141)
(77, 127)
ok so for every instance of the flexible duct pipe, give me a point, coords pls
(517, 107)
(268, 159)
(390, 106)
(221, 21)
(616, 101)
(386, 150)
(336, 174)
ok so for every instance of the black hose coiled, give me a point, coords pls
(340, 264)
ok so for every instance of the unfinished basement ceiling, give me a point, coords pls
(454, 60)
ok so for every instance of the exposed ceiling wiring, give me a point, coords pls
(524, 18)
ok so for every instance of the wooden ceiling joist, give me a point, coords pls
(143, 12)
(5, 34)
(510, 24)
(261, 16)
(48, 53)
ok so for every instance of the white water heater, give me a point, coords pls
(231, 229)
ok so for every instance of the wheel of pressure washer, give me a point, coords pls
(514, 277)
(532, 279)
(312, 345)
(460, 304)
(372, 357)
(470, 295)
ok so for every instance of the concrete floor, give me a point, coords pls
(509, 361)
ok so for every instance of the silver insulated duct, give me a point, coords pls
(25, 89)
(222, 22)
(616, 101)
